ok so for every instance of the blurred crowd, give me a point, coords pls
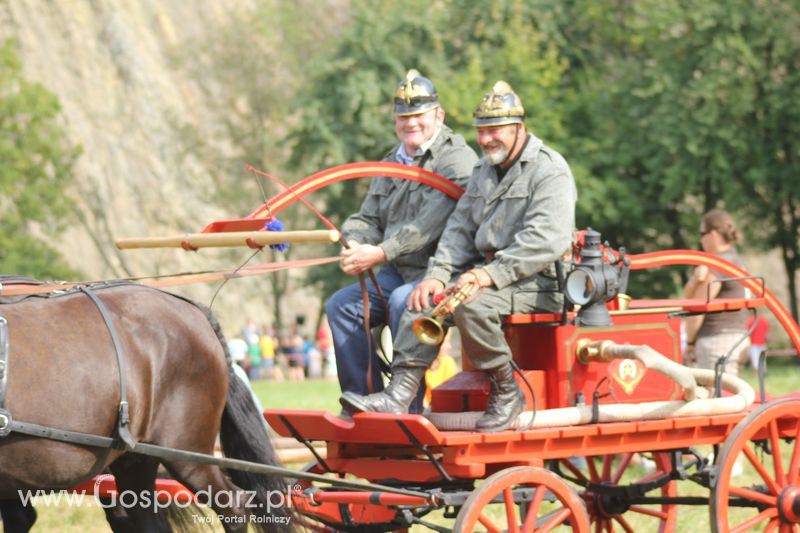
(290, 354)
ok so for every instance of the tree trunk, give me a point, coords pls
(788, 227)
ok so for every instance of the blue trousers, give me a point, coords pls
(345, 310)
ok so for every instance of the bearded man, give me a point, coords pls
(516, 218)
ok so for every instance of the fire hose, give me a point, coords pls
(697, 402)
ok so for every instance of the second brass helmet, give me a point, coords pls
(499, 107)
(415, 94)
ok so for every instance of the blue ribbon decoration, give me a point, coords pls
(276, 225)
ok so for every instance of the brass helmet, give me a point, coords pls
(499, 107)
(415, 94)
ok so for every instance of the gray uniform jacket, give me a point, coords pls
(515, 228)
(406, 218)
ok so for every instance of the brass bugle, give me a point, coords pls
(429, 330)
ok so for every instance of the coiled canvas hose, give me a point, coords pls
(697, 402)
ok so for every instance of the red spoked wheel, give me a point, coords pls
(521, 500)
(608, 511)
(758, 484)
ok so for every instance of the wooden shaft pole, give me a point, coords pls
(233, 238)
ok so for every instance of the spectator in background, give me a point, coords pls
(267, 345)
(325, 346)
(291, 346)
(249, 329)
(254, 353)
(313, 359)
(758, 339)
(714, 335)
(238, 350)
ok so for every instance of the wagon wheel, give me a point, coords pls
(765, 446)
(544, 500)
(607, 511)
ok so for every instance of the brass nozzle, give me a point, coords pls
(587, 351)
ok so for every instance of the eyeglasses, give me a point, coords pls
(706, 232)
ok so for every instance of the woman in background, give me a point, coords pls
(714, 335)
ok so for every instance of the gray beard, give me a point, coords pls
(498, 156)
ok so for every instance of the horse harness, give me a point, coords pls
(122, 440)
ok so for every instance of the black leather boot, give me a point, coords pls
(506, 401)
(394, 399)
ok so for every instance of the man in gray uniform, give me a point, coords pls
(515, 220)
(398, 226)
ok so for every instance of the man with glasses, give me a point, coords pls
(398, 227)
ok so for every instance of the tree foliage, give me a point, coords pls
(36, 167)
(258, 59)
(463, 46)
(664, 108)
(687, 109)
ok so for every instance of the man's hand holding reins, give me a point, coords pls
(359, 258)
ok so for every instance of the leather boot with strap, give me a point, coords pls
(506, 401)
(394, 399)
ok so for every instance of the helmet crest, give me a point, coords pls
(499, 106)
(415, 95)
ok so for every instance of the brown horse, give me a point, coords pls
(63, 373)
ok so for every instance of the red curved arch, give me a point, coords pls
(691, 257)
(353, 171)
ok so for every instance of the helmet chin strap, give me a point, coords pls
(513, 147)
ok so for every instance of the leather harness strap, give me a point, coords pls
(3, 361)
(367, 330)
(367, 327)
(124, 438)
(5, 416)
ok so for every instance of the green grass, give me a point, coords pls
(88, 517)
(314, 395)
(783, 377)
